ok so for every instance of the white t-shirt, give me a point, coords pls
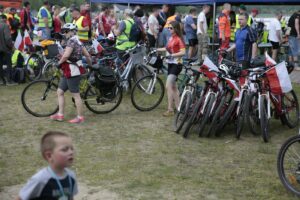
(201, 18)
(273, 27)
(153, 22)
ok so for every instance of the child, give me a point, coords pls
(54, 182)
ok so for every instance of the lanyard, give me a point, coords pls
(59, 184)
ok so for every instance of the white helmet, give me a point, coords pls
(224, 68)
(69, 27)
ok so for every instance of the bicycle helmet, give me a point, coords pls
(224, 69)
(69, 27)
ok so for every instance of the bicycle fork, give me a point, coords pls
(267, 96)
(150, 87)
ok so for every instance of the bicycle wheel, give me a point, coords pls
(39, 98)
(288, 164)
(147, 93)
(34, 67)
(182, 113)
(206, 115)
(190, 121)
(242, 113)
(264, 121)
(290, 105)
(49, 69)
(253, 120)
(227, 115)
(139, 71)
(216, 117)
(102, 103)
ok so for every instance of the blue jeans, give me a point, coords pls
(46, 33)
(294, 46)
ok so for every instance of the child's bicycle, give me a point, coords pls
(39, 98)
(288, 164)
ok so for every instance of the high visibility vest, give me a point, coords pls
(169, 20)
(14, 58)
(16, 16)
(41, 22)
(210, 28)
(82, 35)
(123, 42)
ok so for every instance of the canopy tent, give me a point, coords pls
(191, 2)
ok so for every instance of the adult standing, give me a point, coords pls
(275, 35)
(6, 46)
(245, 42)
(14, 23)
(162, 19)
(224, 26)
(56, 20)
(202, 35)
(175, 49)
(166, 33)
(190, 29)
(86, 12)
(104, 26)
(294, 37)
(153, 29)
(82, 25)
(26, 22)
(45, 21)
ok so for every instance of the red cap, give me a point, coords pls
(254, 10)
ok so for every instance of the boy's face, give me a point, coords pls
(63, 153)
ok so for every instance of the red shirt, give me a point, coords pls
(175, 44)
(87, 16)
(106, 25)
(57, 24)
(25, 19)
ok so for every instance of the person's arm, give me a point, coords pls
(119, 28)
(254, 50)
(61, 17)
(66, 55)
(161, 49)
(87, 56)
(101, 25)
(231, 48)
(85, 25)
(297, 27)
(278, 34)
(179, 54)
(201, 27)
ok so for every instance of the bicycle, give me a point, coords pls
(288, 164)
(40, 100)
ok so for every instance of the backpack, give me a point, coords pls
(135, 34)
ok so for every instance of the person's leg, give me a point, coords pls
(78, 103)
(200, 47)
(1, 68)
(205, 40)
(7, 58)
(61, 101)
(176, 97)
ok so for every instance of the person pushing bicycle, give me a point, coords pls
(71, 65)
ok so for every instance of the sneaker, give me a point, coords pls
(168, 113)
(77, 120)
(57, 117)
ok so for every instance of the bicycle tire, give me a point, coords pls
(49, 103)
(48, 69)
(35, 73)
(139, 71)
(226, 117)
(241, 115)
(207, 112)
(291, 123)
(264, 121)
(253, 120)
(216, 117)
(182, 113)
(190, 121)
(100, 104)
(288, 181)
(140, 94)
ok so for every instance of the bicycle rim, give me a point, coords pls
(253, 115)
(182, 113)
(290, 105)
(264, 121)
(39, 98)
(288, 164)
(147, 93)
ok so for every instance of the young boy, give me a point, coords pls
(54, 182)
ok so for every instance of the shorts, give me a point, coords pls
(174, 69)
(71, 84)
(294, 46)
(171, 80)
(275, 45)
(193, 42)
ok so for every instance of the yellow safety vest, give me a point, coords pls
(123, 42)
(237, 26)
(14, 58)
(82, 35)
(41, 22)
(210, 28)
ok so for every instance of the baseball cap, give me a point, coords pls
(243, 7)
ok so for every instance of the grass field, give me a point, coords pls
(135, 155)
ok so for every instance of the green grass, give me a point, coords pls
(137, 156)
